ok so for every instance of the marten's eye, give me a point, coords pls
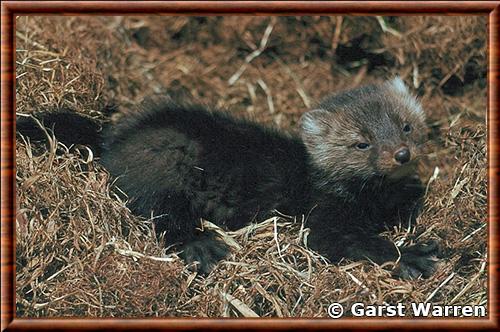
(362, 146)
(407, 128)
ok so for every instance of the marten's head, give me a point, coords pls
(372, 131)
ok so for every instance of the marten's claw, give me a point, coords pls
(417, 260)
(205, 253)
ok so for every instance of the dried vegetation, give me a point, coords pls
(80, 252)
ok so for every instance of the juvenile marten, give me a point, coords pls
(352, 172)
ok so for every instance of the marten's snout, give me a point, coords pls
(403, 155)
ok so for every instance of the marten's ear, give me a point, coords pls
(313, 123)
(398, 85)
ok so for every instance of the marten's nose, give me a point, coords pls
(402, 155)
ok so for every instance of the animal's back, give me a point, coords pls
(223, 169)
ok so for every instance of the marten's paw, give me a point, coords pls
(417, 260)
(204, 252)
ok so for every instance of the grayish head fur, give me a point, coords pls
(355, 134)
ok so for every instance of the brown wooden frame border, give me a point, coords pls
(9, 9)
